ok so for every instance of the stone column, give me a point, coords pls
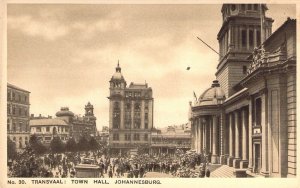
(244, 162)
(231, 144)
(214, 159)
(201, 135)
(237, 158)
(196, 134)
(264, 139)
(250, 165)
(244, 136)
(247, 41)
(204, 136)
(211, 135)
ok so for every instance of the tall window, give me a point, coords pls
(8, 124)
(14, 127)
(146, 116)
(127, 137)
(258, 41)
(258, 112)
(251, 38)
(136, 137)
(115, 136)
(14, 110)
(8, 108)
(21, 128)
(27, 127)
(146, 125)
(137, 115)
(146, 137)
(8, 96)
(128, 116)
(244, 38)
(116, 116)
(255, 6)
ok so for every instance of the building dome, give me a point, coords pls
(64, 111)
(212, 96)
(118, 75)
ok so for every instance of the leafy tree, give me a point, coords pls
(83, 144)
(93, 144)
(11, 149)
(36, 145)
(56, 145)
(71, 145)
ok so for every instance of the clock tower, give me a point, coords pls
(245, 26)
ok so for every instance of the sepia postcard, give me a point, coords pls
(139, 94)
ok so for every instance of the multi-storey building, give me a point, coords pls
(18, 115)
(247, 118)
(79, 126)
(130, 114)
(47, 128)
(168, 140)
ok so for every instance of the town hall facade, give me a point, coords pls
(247, 118)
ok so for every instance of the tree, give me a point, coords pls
(71, 145)
(83, 144)
(56, 145)
(36, 145)
(93, 144)
(11, 149)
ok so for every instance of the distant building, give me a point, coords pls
(130, 114)
(80, 126)
(168, 140)
(46, 129)
(103, 135)
(18, 107)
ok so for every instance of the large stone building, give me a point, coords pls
(18, 115)
(130, 114)
(168, 140)
(247, 118)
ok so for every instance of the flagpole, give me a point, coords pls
(262, 32)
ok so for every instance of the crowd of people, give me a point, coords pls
(180, 164)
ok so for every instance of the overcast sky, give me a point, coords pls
(65, 55)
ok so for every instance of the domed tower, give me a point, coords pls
(117, 93)
(117, 82)
(244, 27)
(205, 121)
(65, 114)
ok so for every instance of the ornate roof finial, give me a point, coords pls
(118, 68)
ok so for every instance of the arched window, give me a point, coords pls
(137, 115)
